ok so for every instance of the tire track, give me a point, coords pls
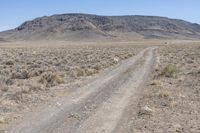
(95, 107)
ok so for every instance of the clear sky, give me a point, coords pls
(15, 12)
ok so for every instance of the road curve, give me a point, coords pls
(97, 106)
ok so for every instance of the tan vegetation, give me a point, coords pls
(50, 79)
(28, 75)
(170, 71)
(173, 93)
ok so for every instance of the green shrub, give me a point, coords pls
(170, 71)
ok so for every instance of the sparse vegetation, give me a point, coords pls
(170, 71)
(164, 94)
(27, 74)
(50, 79)
(176, 100)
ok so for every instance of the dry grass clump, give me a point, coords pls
(51, 79)
(170, 71)
(9, 62)
(164, 94)
(90, 72)
(4, 88)
(21, 74)
(77, 71)
(5, 82)
(82, 72)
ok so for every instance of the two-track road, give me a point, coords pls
(96, 107)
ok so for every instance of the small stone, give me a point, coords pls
(59, 104)
(116, 60)
(2, 120)
(154, 82)
(74, 115)
(146, 111)
(177, 128)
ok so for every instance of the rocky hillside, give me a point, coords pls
(85, 26)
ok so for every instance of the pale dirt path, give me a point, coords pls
(109, 114)
(96, 107)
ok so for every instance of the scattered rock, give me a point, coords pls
(116, 60)
(146, 111)
(74, 115)
(177, 128)
(155, 82)
(3, 120)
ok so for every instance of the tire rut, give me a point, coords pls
(83, 105)
(108, 116)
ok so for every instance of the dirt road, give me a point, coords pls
(96, 107)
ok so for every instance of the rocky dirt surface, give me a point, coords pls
(170, 102)
(111, 101)
(96, 106)
(30, 76)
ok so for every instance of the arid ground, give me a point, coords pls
(170, 101)
(136, 87)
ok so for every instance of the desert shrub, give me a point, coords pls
(90, 72)
(15, 75)
(35, 87)
(9, 81)
(6, 80)
(23, 74)
(51, 79)
(17, 97)
(77, 72)
(4, 71)
(164, 94)
(9, 62)
(80, 72)
(4, 88)
(35, 73)
(97, 67)
(170, 71)
(25, 89)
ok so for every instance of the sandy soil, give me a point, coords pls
(36, 73)
(114, 98)
(108, 94)
(170, 102)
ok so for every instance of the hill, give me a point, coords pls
(86, 26)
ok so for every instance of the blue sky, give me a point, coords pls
(15, 12)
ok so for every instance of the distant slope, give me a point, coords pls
(2, 40)
(85, 26)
